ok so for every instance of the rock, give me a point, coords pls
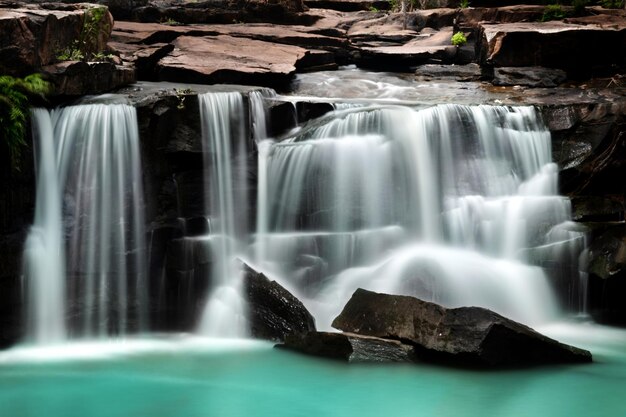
(470, 336)
(607, 274)
(226, 11)
(528, 76)
(308, 110)
(76, 78)
(273, 311)
(282, 118)
(577, 49)
(348, 5)
(349, 347)
(31, 36)
(428, 49)
(227, 59)
(469, 72)
(597, 208)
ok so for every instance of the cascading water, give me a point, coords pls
(442, 203)
(90, 207)
(226, 202)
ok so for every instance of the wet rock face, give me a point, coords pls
(465, 336)
(274, 312)
(528, 76)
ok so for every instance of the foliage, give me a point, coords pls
(579, 6)
(458, 39)
(374, 9)
(180, 94)
(85, 47)
(172, 22)
(553, 12)
(16, 95)
(464, 4)
(612, 4)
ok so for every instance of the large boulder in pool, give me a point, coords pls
(273, 311)
(468, 336)
(349, 347)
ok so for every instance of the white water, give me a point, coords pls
(441, 203)
(90, 201)
(225, 173)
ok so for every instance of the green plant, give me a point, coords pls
(579, 7)
(553, 12)
(374, 9)
(612, 4)
(85, 47)
(172, 22)
(458, 39)
(180, 95)
(464, 4)
(16, 95)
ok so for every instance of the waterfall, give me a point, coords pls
(226, 202)
(90, 207)
(443, 203)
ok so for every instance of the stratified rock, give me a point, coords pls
(528, 76)
(31, 36)
(348, 5)
(227, 59)
(76, 78)
(349, 347)
(273, 311)
(597, 208)
(577, 49)
(469, 72)
(465, 336)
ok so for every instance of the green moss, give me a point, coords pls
(16, 95)
(458, 39)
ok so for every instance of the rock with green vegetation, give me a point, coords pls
(37, 35)
(16, 95)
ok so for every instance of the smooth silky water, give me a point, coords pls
(388, 194)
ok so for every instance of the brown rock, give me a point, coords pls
(227, 59)
(577, 49)
(31, 36)
(76, 78)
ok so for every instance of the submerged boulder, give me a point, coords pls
(468, 336)
(274, 312)
(349, 347)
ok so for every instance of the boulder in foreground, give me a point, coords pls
(274, 312)
(467, 336)
(349, 347)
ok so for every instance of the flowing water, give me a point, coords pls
(84, 263)
(456, 204)
(384, 197)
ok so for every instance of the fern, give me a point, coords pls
(16, 95)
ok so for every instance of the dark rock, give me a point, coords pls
(607, 274)
(348, 5)
(349, 347)
(11, 297)
(469, 72)
(274, 312)
(282, 118)
(197, 226)
(308, 110)
(597, 208)
(76, 78)
(528, 76)
(577, 49)
(465, 336)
